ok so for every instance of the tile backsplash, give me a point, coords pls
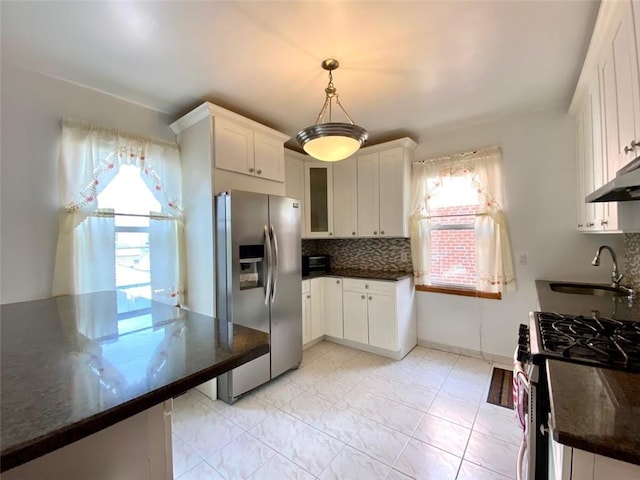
(632, 259)
(363, 253)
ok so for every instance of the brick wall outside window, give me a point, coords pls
(453, 251)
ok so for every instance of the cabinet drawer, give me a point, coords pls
(369, 286)
(305, 286)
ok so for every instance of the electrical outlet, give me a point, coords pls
(404, 256)
(523, 258)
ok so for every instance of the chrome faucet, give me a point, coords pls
(615, 276)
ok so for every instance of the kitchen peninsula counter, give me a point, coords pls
(74, 365)
(593, 409)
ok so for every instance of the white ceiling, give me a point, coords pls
(406, 67)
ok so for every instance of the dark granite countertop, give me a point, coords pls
(73, 365)
(392, 276)
(595, 409)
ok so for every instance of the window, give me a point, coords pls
(131, 201)
(459, 237)
(121, 223)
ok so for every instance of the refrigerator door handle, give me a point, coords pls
(269, 258)
(276, 264)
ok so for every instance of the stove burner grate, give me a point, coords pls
(596, 340)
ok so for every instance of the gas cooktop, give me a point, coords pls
(598, 341)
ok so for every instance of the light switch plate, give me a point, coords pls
(523, 258)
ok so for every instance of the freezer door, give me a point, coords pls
(249, 223)
(286, 301)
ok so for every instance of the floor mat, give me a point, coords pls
(501, 388)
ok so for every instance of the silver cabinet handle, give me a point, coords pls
(362, 297)
(251, 170)
(632, 146)
(259, 172)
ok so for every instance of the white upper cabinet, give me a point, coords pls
(369, 195)
(345, 198)
(606, 106)
(294, 182)
(240, 145)
(242, 149)
(268, 152)
(384, 182)
(233, 146)
(318, 200)
(395, 181)
(366, 195)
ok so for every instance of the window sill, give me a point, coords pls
(459, 291)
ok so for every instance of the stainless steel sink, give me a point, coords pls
(585, 289)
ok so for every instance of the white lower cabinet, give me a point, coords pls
(567, 463)
(381, 315)
(354, 308)
(372, 315)
(332, 292)
(312, 310)
(383, 323)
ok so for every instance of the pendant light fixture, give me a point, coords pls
(331, 141)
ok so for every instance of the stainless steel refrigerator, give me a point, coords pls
(259, 282)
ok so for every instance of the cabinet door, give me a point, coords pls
(368, 195)
(294, 186)
(345, 198)
(318, 202)
(306, 318)
(268, 157)
(383, 322)
(233, 146)
(393, 214)
(626, 81)
(610, 131)
(580, 166)
(333, 325)
(354, 308)
(317, 308)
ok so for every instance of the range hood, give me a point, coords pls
(623, 188)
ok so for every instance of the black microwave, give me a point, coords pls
(314, 264)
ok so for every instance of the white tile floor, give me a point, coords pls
(347, 414)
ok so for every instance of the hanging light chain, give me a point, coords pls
(331, 93)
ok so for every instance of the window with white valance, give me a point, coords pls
(120, 224)
(459, 233)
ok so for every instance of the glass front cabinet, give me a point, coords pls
(318, 205)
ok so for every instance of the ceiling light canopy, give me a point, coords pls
(331, 141)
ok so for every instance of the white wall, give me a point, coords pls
(540, 175)
(32, 108)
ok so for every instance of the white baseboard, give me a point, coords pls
(468, 352)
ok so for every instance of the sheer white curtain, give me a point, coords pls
(483, 168)
(90, 157)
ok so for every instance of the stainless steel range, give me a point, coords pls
(591, 340)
